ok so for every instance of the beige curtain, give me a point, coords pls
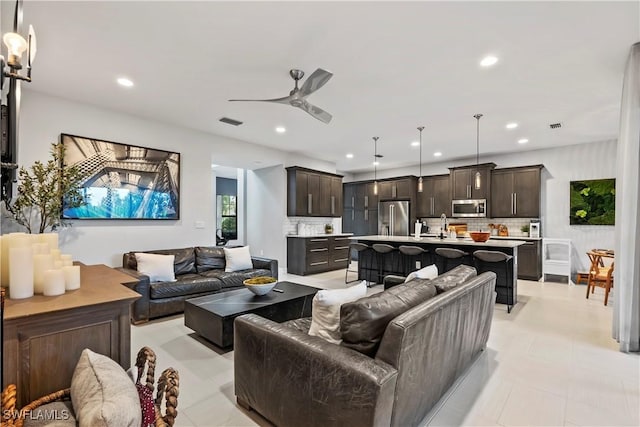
(626, 313)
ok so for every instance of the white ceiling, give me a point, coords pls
(396, 66)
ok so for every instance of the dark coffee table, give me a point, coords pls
(212, 316)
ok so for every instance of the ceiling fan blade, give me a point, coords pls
(316, 112)
(284, 100)
(315, 81)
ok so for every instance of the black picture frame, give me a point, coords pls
(123, 181)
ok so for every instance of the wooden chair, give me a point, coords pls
(168, 389)
(600, 274)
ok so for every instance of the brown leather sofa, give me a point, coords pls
(199, 271)
(294, 379)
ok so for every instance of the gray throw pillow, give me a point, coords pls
(453, 278)
(363, 322)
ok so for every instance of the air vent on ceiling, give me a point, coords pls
(555, 125)
(229, 121)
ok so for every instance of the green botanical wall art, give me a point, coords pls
(593, 202)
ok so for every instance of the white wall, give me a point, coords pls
(561, 165)
(42, 120)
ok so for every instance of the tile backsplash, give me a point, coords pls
(313, 225)
(481, 224)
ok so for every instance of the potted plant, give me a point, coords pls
(525, 229)
(41, 191)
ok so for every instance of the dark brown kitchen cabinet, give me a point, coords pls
(435, 198)
(462, 181)
(515, 192)
(316, 254)
(313, 193)
(360, 212)
(530, 260)
(397, 189)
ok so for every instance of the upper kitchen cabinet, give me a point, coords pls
(313, 193)
(515, 192)
(435, 198)
(397, 189)
(462, 181)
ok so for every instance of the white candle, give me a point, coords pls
(53, 282)
(20, 273)
(41, 263)
(66, 259)
(71, 277)
(51, 239)
(57, 264)
(55, 253)
(40, 248)
(10, 240)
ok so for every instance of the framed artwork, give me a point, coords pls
(123, 181)
(593, 202)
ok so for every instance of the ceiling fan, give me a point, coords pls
(297, 97)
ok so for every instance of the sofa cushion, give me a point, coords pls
(325, 311)
(237, 259)
(209, 258)
(187, 284)
(183, 263)
(303, 324)
(102, 393)
(453, 278)
(363, 322)
(159, 268)
(235, 279)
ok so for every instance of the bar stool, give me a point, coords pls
(385, 256)
(409, 255)
(449, 258)
(500, 263)
(357, 249)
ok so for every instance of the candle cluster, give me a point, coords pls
(32, 263)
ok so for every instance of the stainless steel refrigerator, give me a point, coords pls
(393, 218)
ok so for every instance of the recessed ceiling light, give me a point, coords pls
(376, 163)
(415, 143)
(437, 154)
(213, 166)
(349, 156)
(511, 125)
(523, 141)
(281, 129)
(123, 81)
(488, 61)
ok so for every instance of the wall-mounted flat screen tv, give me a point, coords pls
(123, 181)
(593, 202)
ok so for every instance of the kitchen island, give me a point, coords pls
(506, 284)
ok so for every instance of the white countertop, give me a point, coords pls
(320, 235)
(496, 243)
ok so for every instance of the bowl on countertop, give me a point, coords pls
(479, 236)
(260, 285)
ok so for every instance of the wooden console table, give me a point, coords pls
(44, 336)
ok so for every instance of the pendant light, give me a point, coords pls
(420, 186)
(375, 165)
(478, 177)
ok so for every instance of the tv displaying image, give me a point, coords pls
(123, 181)
(593, 202)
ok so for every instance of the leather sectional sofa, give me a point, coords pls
(199, 271)
(294, 379)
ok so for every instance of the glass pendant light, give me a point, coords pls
(478, 178)
(375, 165)
(420, 186)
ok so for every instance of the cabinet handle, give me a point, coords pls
(333, 205)
(353, 202)
(319, 263)
(341, 260)
(511, 203)
(366, 202)
(319, 240)
(319, 250)
(341, 247)
(515, 203)
(433, 206)
(394, 191)
(309, 203)
(366, 215)
(341, 238)
(353, 214)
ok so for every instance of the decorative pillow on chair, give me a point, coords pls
(237, 259)
(429, 272)
(325, 311)
(159, 268)
(102, 393)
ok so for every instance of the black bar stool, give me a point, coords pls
(500, 263)
(386, 260)
(449, 258)
(409, 255)
(358, 249)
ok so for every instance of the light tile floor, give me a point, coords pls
(551, 362)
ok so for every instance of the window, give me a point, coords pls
(227, 216)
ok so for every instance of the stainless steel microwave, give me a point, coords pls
(470, 208)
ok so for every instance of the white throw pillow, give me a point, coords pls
(159, 268)
(237, 259)
(429, 272)
(325, 311)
